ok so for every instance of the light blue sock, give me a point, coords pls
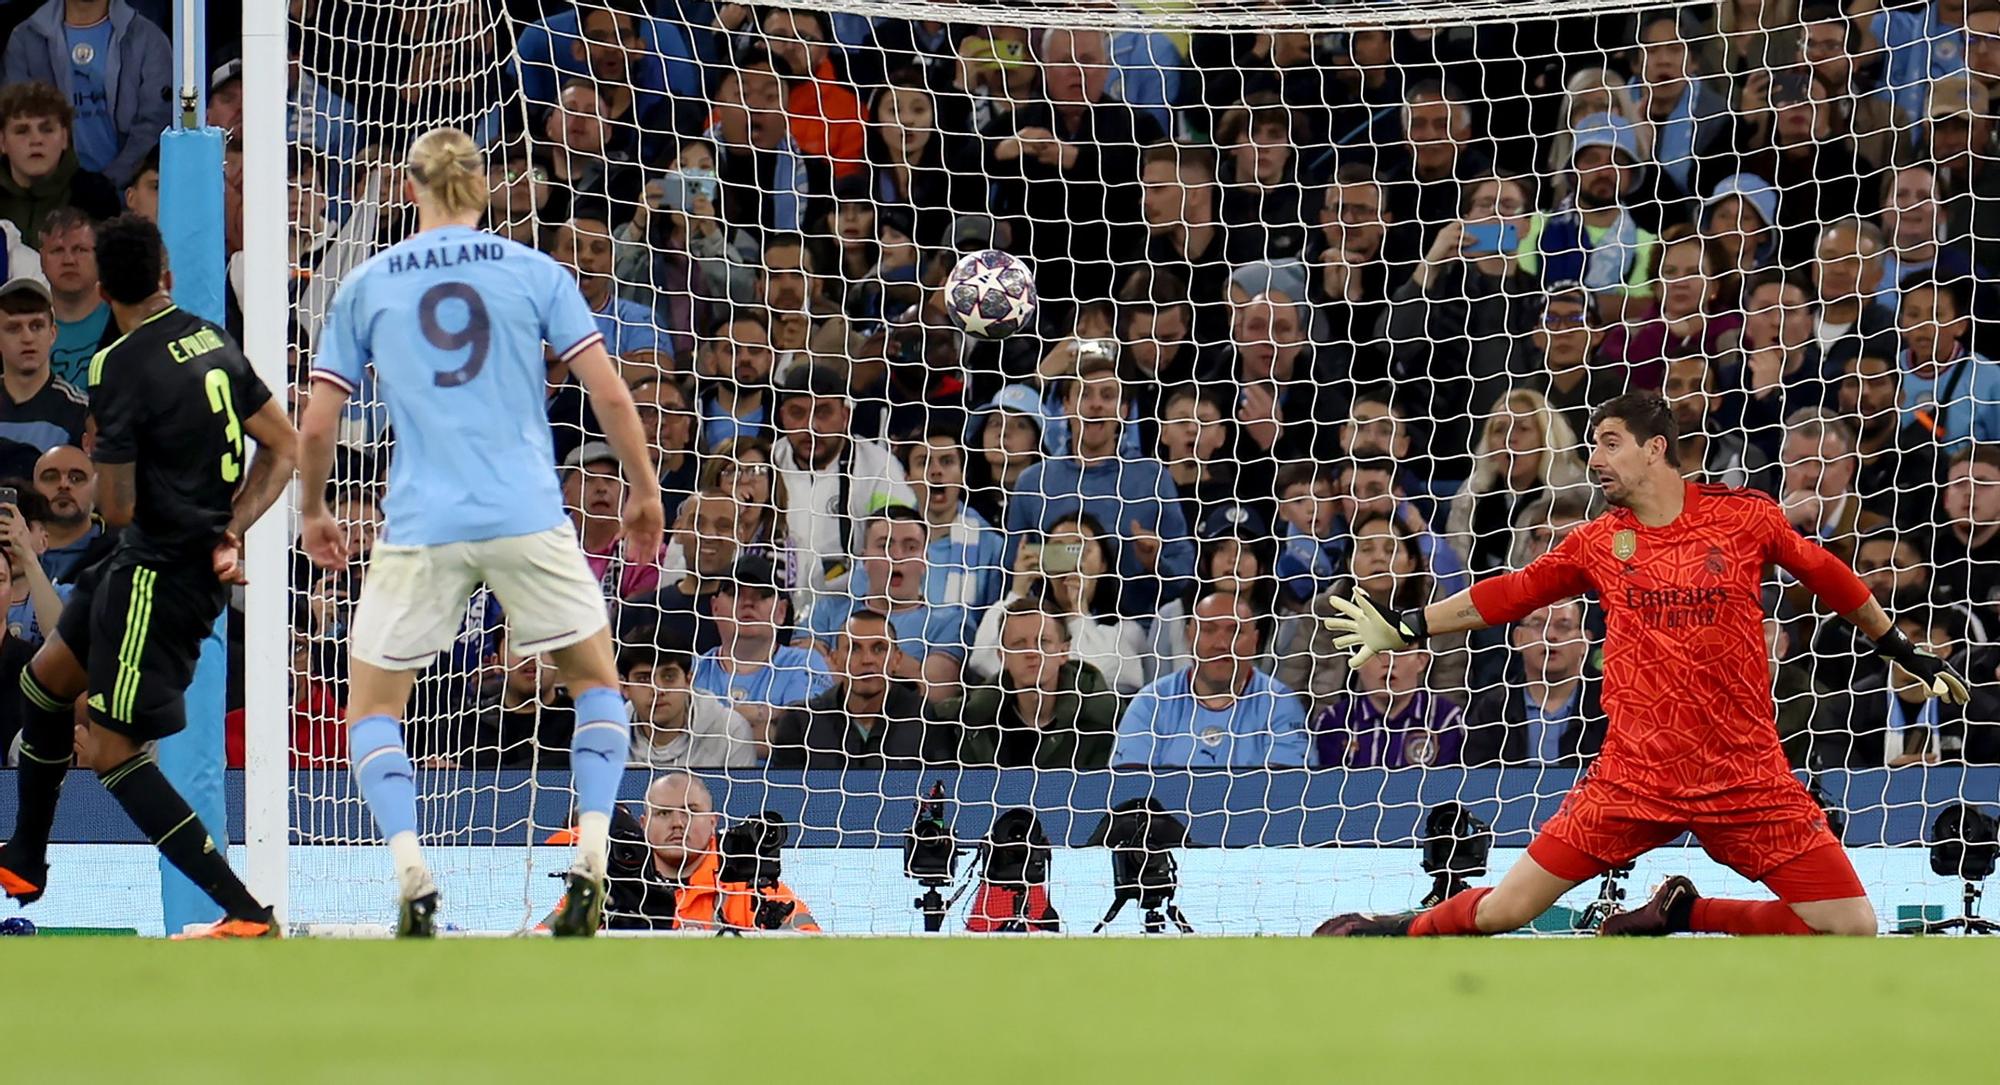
(382, 768)
(598, 748)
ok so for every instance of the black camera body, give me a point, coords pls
(1456, 847)
(750, 857)
(930, 855)
(1142, 837)
(1965, 842)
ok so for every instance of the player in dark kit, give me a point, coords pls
(1691, 744)
(173, 399)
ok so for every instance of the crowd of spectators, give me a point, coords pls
(1319, 311)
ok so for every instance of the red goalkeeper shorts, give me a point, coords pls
(1776, 835)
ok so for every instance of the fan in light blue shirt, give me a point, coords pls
(1220, 713)
(452, 322)
(94, 133)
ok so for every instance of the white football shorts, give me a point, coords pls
(413, 599)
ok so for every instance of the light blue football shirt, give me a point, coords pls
(794, 676)
(453, 321)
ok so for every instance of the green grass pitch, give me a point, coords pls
(1016, 1011)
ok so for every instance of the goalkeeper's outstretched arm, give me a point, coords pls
(1363, 628)
(1829, 578)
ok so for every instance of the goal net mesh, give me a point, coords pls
(1327, 295)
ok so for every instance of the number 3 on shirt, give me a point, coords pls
(221, 401)
(476, 337)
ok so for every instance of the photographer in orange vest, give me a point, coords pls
(684, 866)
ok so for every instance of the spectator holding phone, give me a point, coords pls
(34, 603)
(1067, 574)
(1455, 325)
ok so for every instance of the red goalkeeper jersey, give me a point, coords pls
(1687, 685)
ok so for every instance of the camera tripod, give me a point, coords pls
(1968, 920)
(1610, 899)
(932, 904)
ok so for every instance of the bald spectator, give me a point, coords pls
(40, 171)
(113, 65)
(679, 886)
(83, 318)
(1221, 711)
(868, 719)
(67, 480)
(1069, 163)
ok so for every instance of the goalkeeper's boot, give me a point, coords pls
(582, 909)
(1363, 925)
(21, 879)
(417, 917)
(1668, 912)
(233, 928)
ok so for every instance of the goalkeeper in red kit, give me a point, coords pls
(1691, 744)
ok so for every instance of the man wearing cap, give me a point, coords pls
(38, 409)
(594, 492)
(1592, 238)
(751, 671)
(115, 67)
(225, 98)
(833, 481)
(1739, 220)
(1005, 435)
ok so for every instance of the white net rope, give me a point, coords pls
(1328, 293)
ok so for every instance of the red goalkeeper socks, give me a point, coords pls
(1454, 916)
(1746, 917)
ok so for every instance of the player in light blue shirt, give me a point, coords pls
(452, 325)
(1220, 713)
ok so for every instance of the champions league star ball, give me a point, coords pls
(991, 294)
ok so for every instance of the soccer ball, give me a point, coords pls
(991, 294)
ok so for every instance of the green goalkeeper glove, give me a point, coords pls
(1936, 675)
(1364, 629)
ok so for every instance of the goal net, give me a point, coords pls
(1327, 294)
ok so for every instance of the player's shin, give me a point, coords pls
(598, 751)
(1713, 916)
(1458, 915)
(160, 812)
(389, 782)
(48, 728)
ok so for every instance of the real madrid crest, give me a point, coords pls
(1624, 545)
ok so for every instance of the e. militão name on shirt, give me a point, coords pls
(447, 256)
(193, 345)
